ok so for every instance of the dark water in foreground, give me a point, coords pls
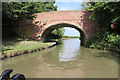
(68, 60)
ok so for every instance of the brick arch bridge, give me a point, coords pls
(61, 25)
(45, 22)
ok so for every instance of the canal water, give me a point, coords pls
(67, 60)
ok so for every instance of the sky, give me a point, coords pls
(67, 6)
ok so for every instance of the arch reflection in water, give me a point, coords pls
(52, 63)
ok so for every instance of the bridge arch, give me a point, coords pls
(45, 22)
(52, 27)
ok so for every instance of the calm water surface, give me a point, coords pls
(67, 60)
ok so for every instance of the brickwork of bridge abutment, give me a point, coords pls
(45, 22)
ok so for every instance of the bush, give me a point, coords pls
(104, 40)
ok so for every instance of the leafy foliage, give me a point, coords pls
(13, 12)
(105, 14)
(56, 34)
(104, 40)
(18, 10)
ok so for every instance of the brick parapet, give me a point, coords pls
(79, 19)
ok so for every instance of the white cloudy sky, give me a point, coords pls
(66, 6)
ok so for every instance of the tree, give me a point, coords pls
(13, 12)
(107, 17)
(56, 34)
(105, 14)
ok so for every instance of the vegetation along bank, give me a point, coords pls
(18, 47)
(107, 17)
(13, 43)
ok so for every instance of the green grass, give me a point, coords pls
(71, 37)
(21, 45)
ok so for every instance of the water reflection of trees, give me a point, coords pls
(105, 54)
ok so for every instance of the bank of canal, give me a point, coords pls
(12, 48)
(67, 60)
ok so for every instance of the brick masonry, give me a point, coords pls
(45, 22)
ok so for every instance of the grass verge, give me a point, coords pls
(12, 48)
(71, 37)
